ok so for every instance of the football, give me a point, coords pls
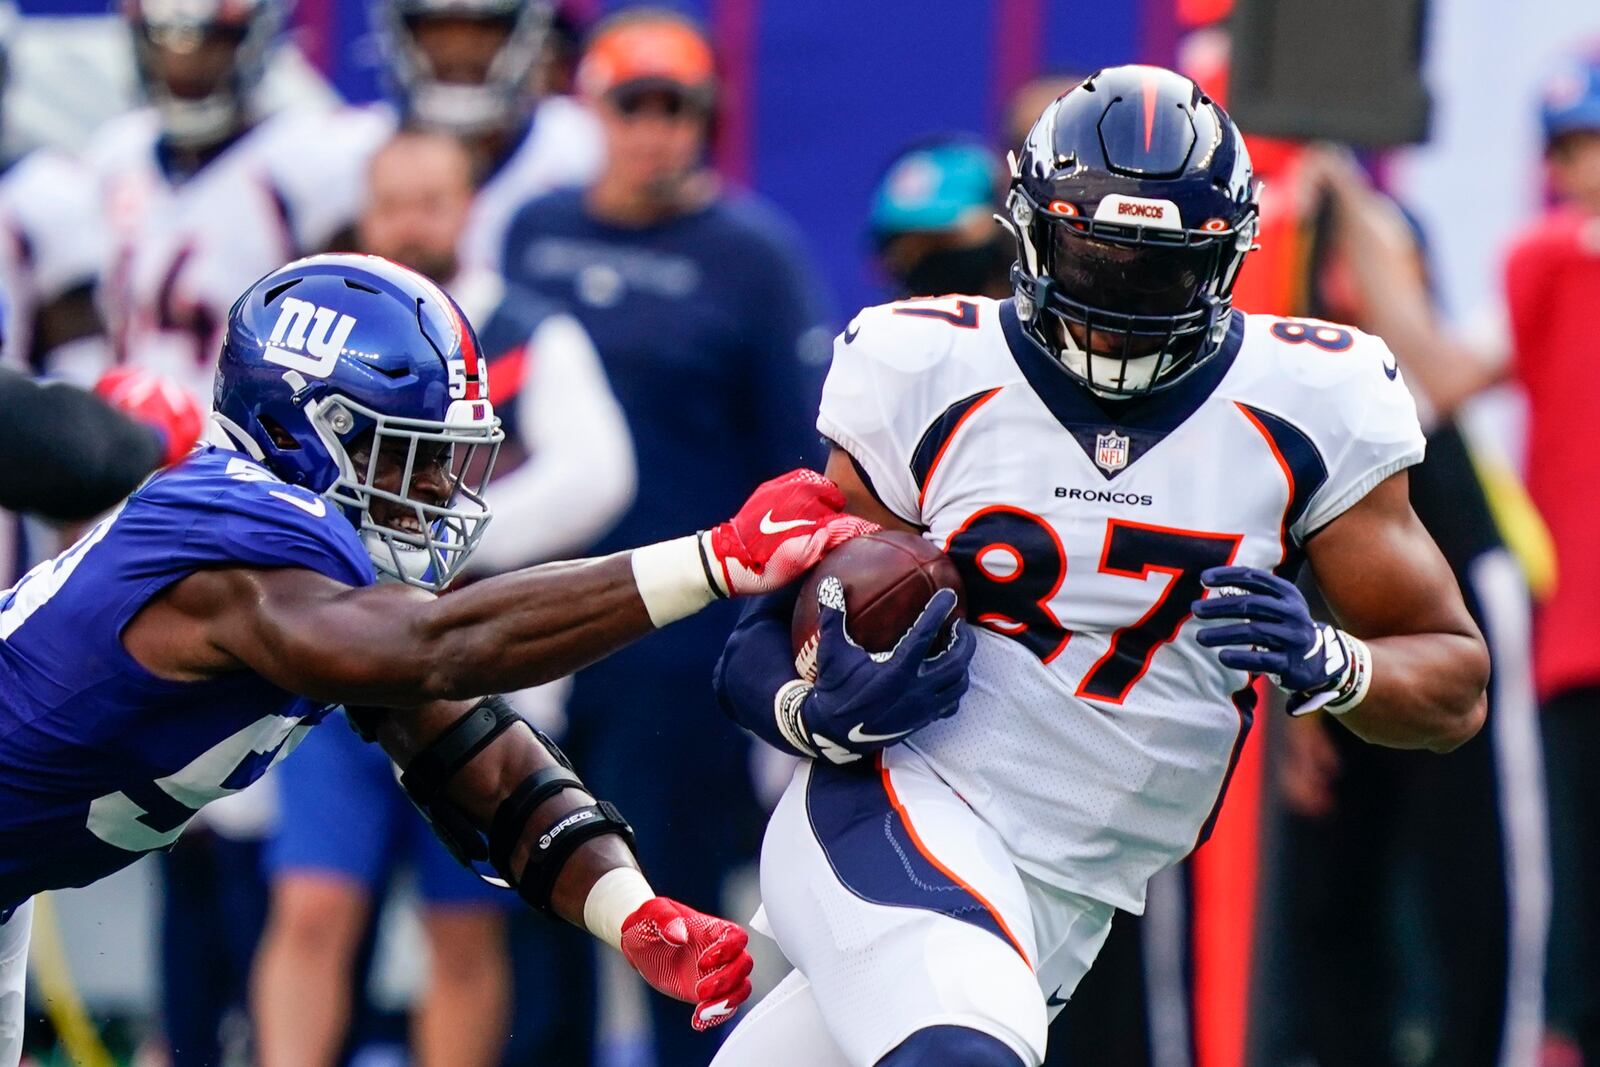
(888, 578)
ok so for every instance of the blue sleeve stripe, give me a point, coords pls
(937, 437)
(1302, 464)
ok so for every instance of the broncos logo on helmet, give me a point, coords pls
(1133, 205)
(361, 381)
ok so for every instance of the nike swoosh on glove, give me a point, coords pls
(161, 405)
(863, 701)
(1315, 663)
(690, 956)
(786, 526)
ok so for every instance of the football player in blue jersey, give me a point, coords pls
(290, 565)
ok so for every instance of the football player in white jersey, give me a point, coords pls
(49, 253)
(1123, 468)
(201, 193)
(470, 67)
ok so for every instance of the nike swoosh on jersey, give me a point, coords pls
(770, 527)
(1392, 369)
(860, 737)
(316, 507)
(851, 330)
(1055, 1000)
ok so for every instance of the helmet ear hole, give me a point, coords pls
(281, 439)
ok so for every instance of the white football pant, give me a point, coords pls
(901, 910)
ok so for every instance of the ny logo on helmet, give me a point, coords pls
(308, 338)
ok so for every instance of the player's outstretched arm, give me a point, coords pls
(495, 789)
(396, 647)
(1407, 668)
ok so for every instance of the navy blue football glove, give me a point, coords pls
(1316, 664)
(864, 701)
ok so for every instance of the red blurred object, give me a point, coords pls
(1194, 13)
(888, 579)
(157, 403)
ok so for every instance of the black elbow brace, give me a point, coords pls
(431, 769)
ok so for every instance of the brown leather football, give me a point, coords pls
(888, 578)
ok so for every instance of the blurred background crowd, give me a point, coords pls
(657, 218)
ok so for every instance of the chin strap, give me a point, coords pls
(432, 769)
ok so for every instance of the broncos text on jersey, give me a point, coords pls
(1098, 735)
(101, 761)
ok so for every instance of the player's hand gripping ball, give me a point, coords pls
(880, 647)
(689, 956)
(783, 529)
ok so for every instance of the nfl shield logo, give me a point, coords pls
(1110, 451)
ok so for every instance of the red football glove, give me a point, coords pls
(156, 402)
(690, 956)
(783, 529)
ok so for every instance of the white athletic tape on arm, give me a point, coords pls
(671, 577)
(786, 707)
(619, 893)
(1354, 690)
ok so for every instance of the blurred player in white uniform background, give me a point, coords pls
(471, 68)
(201, 192)
(1121, 467)
(347, 828)
(49, 256)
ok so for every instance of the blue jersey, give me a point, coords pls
(100, 760)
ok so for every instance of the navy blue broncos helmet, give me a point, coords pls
(1133, 205)
(336, 358)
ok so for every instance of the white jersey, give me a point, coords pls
(51, 244)
(562, 147)
(184, 248)
(1098, 735)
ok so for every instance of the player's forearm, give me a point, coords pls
(480, 787)
(1427, 692)
(535, 625)
(755, 668)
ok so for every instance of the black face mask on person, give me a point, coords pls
(978, 270)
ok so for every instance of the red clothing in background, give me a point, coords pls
(1553, 294)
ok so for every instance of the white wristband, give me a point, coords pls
(619, 893)
(786, 707)
(1357, 681)
(672, 579)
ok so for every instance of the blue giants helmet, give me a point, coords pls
(1133, 205)
(337, 358)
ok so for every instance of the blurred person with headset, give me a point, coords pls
(708, 321)
(565, 474)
